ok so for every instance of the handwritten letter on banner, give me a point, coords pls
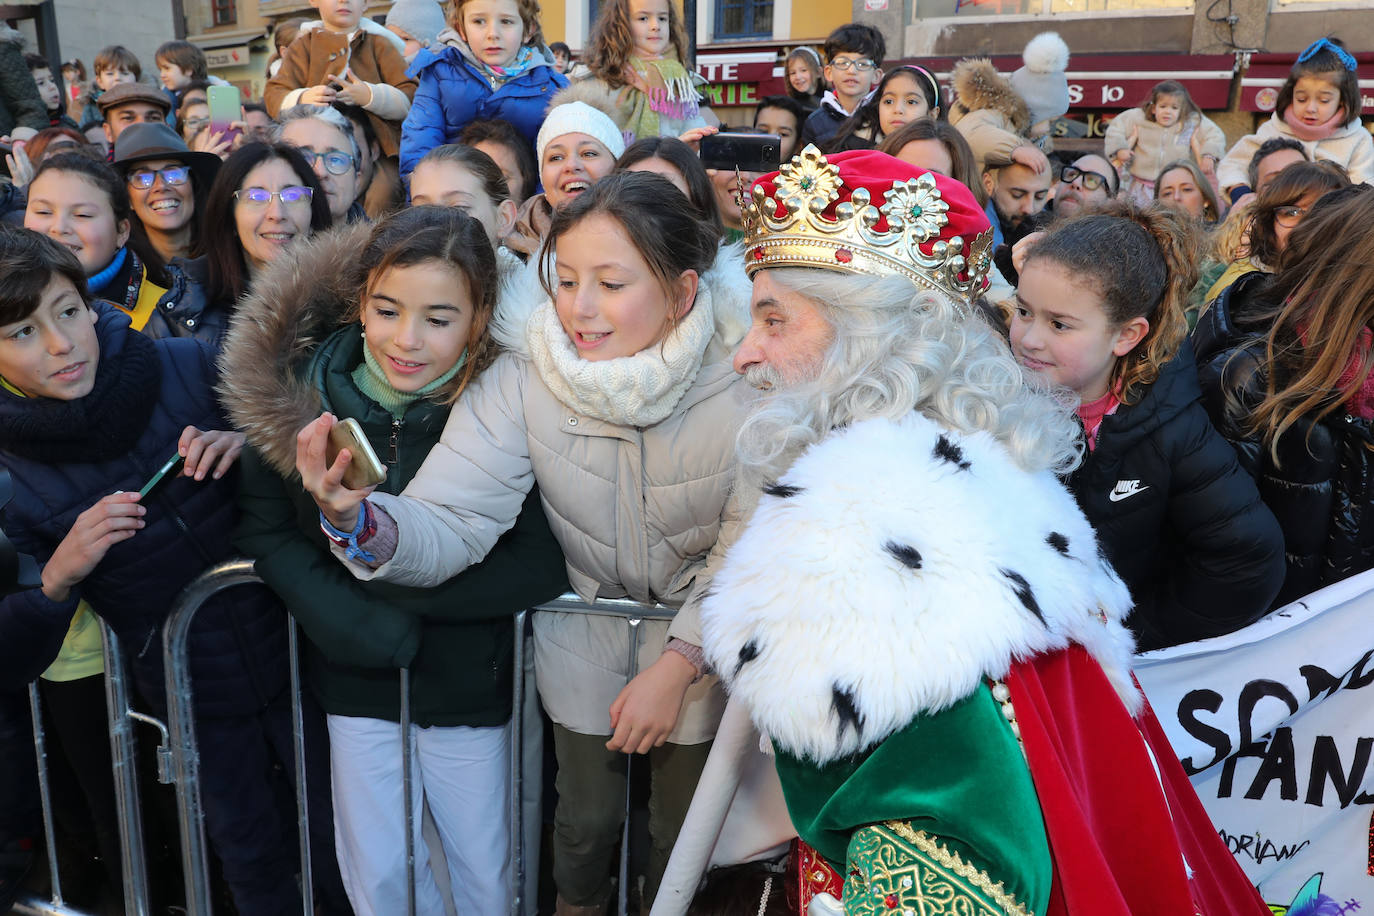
(1275, 724)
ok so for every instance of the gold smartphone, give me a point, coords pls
(364, 470)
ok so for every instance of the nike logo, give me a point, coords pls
(1125, 489)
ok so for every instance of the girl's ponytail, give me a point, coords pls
(1173, 232)
(1143, 262)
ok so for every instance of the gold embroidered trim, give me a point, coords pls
(955, 865)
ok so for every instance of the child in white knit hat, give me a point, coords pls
(577, 146)
(1042, 83)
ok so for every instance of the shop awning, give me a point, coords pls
(207, 40)
(1097, 82)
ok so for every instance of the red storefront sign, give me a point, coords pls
(1097, 82)
(1259, 88)
(738, 78)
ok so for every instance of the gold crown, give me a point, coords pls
(915, 212)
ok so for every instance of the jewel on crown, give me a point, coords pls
(914, 213)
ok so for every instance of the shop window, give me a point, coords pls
(224, 12)
(744, 19)
(948, 8)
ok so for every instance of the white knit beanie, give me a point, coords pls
(422, 20)
(579, 118)
(1041, 82)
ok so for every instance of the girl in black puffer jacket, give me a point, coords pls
(1100, 311)
(1284, 363)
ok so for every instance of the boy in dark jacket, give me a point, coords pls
(854, 55)
(89, 412)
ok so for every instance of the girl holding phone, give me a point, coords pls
(394, 339)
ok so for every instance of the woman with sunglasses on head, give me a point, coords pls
(271, 198)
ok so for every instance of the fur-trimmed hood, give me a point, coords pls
(978, 85)
(522, 294)
(295, 305)
(893, 568)
(594, 93)
(297, 302)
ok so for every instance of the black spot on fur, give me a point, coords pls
(1058, 542)
(906, 554)
(946, 450)
(747, 653)
(1024, 593)
(781, 490)
(847, 710)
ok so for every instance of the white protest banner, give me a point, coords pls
(1275, 725)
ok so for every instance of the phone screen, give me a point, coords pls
(172, 464)
(226, 106)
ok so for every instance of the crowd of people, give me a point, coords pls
(578, 360)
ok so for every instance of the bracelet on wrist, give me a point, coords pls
(352, 541)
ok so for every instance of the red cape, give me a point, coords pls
(1119, 830)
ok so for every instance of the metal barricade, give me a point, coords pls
(634, 613)
(183, 766)
(123, 751)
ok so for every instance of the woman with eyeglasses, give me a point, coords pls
(167, 185)
(271, 198)
(325, 139)
(1273, 215)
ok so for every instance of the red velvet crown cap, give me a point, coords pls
(878, 172)
(810, 180)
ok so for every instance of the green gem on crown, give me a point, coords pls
(806, 184)
(916, 212)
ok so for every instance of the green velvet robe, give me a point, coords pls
(935, 775)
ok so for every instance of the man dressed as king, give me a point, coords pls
(917, 616)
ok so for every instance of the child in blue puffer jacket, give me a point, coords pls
(490, 63)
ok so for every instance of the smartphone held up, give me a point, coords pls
(364, 468)
(757, 153)
(226, 107)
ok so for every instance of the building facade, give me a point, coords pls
(66, 29)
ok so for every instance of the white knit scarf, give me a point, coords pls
(638, 390)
